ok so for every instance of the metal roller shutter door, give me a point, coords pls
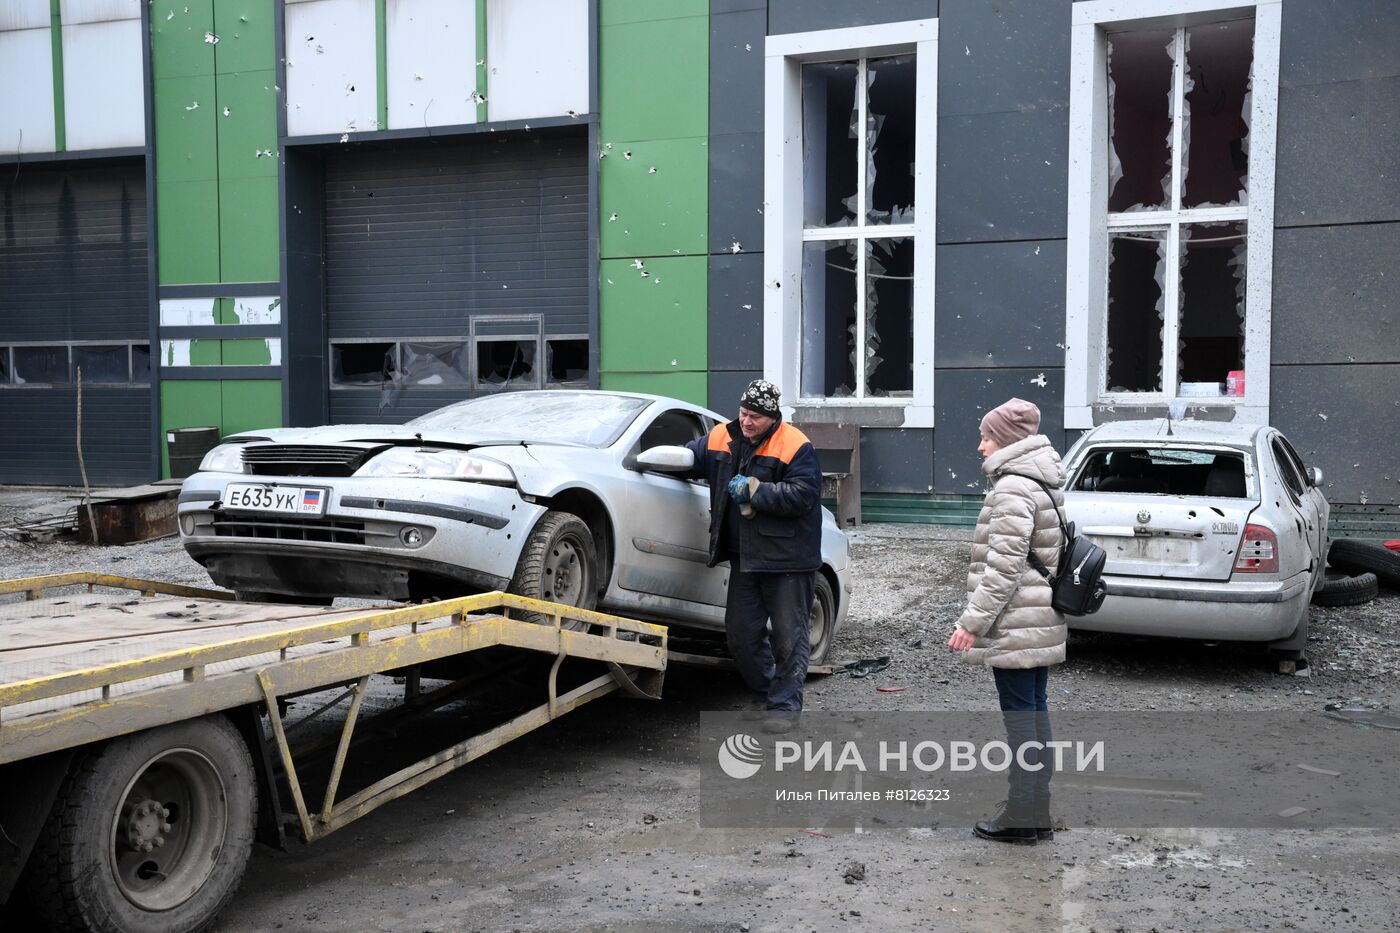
(418, 240)
(73, 263)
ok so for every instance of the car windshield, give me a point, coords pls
(1166, 471)
(590, 419)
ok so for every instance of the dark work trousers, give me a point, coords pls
(1027, 718)
(776, 666)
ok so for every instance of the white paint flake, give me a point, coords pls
(226, 111)
(652, 170)
(194, 105)
(748, 307)
(1322, 416)
(169, 16)
(211, 39)
(735, 247)
(612, 218)
(345, 137)
(627, 154)
(638, 264)
(1039, 380)
(748, 46)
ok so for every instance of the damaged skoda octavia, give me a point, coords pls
(541, 493)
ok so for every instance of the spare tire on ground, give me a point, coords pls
(1340, 589)
(1363, 557)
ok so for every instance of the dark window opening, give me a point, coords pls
(141, 364)
(434, 364)
(889, 317)
(1166, 472)
(567, 361)
(41, 366)
(829, 319)
(673, 427)
(829, 143)
(889, 172)
(1140, 119)
(362, 364)
(1134, 354)
(505, 364)
(1212, 306)
(4, 365)
(102, 364)
(1218, 60)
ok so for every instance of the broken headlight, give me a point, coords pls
(437, 464)
(226, 458)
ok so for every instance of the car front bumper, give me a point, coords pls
(1229, 611)
(380, 538)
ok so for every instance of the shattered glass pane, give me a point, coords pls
(889, 172)
(567, 361)
(434, 364)
(1140, 119)
(505, 364)
(1213, 261)
(4, 365)
(362, 364)
(589, 418)
(1136, 265)
(1218, 61)
(140, 364)
(829, 144)
(41, 366)
(889, 317)
(101, 364)
(829, 319)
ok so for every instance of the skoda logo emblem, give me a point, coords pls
(1144, 517)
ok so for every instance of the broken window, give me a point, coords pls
(4, 366)
(505, 364)
(433, 364)
(106, 364)
(141, 364)
(1178, 123)
(858, 147)
(363, 364)
(567, 361)
(41, 365)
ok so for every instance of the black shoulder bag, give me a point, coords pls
(1078, 588)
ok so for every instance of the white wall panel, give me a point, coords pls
(73, 12)
(537, 53)
(26, 90)
(431, 62)
(24, 14)
(331, 84)
(103, 99)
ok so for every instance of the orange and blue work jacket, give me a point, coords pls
(785, 533)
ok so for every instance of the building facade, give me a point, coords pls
(247, 213)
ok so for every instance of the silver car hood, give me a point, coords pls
(372, 434)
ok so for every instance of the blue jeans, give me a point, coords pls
(775, 666)
(1027, 718)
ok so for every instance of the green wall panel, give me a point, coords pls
(251, 405)
(247, 353)
(653, 79)
(187, 404)
(246, 37)
(654, 322)
(248, 134)
(612, 12)
(248, 231)
(177, 41)
(688, 387)
(206, 352)
(186, 139)
(187, 215)
(658, 213)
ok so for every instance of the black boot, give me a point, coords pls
(1011, 824)
(1040, 816)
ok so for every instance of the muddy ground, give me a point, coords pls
(592, 822)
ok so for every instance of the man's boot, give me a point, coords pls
(1012, 824)
(1044, 823)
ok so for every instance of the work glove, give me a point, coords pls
(739, 490)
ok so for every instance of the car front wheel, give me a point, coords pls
(819, 627)
(559, 564)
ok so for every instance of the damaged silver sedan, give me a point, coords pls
(1212, 531)
(539, 493)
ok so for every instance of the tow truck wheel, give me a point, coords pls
(150, 833)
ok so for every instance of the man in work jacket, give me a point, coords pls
(765, 519)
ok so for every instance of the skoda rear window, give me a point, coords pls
(583, 418)
(1167, 471)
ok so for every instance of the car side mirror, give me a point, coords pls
(666, 458)
(1315, 477)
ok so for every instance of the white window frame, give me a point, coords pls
(1086, 288)
(783, 233)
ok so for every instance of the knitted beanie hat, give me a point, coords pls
(1011, 421)
(761, 397)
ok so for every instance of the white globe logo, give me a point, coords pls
(740, 756)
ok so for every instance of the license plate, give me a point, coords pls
(287, 500)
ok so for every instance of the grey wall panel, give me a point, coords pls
(963, 396)
(736, 73)
(736, 311)
(1335, 294)
(1356, 445)
(736, 192)
(1338, 153)
(73, 254)
(1002, 176)
(735, 6)
(1006, 56)
(116, 424)
(370, 406)
(1000, 304)
(1341, 40)
(727, 387)
(808, 15)
(896, 460)
(304, 286)
(420, 237)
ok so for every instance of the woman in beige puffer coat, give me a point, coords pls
(1009, 624)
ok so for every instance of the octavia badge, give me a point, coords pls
(1144, 517)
